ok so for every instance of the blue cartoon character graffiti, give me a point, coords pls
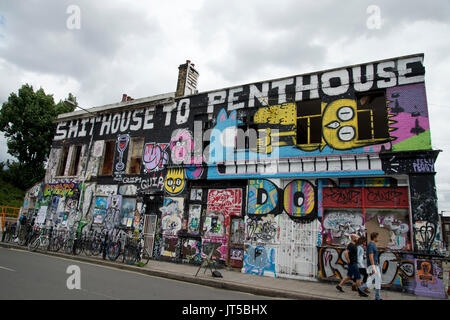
(258, 260)
(223, 138)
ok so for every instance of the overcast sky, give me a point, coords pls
(135, 47)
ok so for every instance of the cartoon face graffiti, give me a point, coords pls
(175, 181)
(223, 137)
(340, 125)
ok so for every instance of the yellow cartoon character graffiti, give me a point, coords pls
(175, 181)
(340, 126)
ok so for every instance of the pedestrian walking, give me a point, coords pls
(373, 268)
(361, 261)
(351, 254)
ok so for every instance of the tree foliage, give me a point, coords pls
(27, 120)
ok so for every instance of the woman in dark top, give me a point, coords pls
(351, 254)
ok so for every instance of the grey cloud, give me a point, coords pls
(249, 24)
(38, 39)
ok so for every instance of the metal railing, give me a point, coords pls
(8, 214)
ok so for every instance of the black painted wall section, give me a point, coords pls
(424, 208)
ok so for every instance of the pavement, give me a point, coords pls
(237, 281)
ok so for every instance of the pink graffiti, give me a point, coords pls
(182, 146)
(155, 156)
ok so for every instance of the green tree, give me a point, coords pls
(27, 120)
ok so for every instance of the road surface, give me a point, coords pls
(28, 275)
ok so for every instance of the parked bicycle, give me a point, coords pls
(57, 240)
(98, 243)
(42, 241)
(114, 246)
(132, 251)
(9, 234)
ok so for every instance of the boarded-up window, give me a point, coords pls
(75, 161)
(372, 116)
(63, 161)
(135, 156)
(392, 226)
(108, 158)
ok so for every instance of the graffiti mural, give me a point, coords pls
(175, 182)
(259, 260)
(237, 231)
(395, 270)
(195, 211)
(299, 199)
(262, 230)
(155, 157)
(408, 109)
(222, 141)
(100, 210)
(226, 201)
(429, 279)
(122, 145)
(127, 211)
(339, 225)
(262, 197)
(112, 219)
(221, 205)
(342, 197)
(182, 148)
(172, 216)
(61, 189)
(398, 232)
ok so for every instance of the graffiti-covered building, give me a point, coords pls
(274, 175)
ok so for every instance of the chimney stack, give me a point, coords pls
(187, 80)
(126, 98)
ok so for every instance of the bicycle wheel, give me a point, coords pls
(54, 245)
(45, 244)
(58, 244)
(113, 250)
(87, 247)
(130, 255)
(96, 247)
(34, 244)
(78, 247)
(68, 245)
(7, 235)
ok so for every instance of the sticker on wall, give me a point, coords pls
(214, 225)
(299, 199)
(195, 211)
(112, 218)
(172, 215)
(196, 194)
(99, 210)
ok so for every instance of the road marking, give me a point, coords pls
(7, 269)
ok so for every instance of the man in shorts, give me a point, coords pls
(351, 254)
(373, 267)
